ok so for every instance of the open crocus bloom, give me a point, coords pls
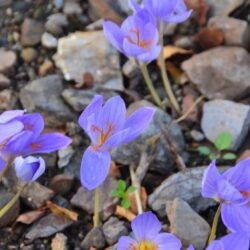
(138, 36)
(29, 169)
(233, 241)
(107, 128)
(232, 189)
(146, 230)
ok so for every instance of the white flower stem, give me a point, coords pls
(96, 217)
(136, 184)
(150, 85)
(164, 75)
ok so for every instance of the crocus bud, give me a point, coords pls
(29, 169)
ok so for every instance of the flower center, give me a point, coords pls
(103, 135)
(135, 39)
(144, 245)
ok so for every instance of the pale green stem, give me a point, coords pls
(96, 208)
(150, 85)
(6, 168)
(212, 235)
(137, 185)
(164, 75)
(9, 205)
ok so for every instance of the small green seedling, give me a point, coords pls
(122, 192)
(222, 142)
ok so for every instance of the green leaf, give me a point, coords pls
(204, 150)
(212, 156)
(229, 156)
(223, 141)
(115, 193)
(121, 185)
(131, 189)
(126, 203)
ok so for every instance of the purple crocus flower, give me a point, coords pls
(146, 231)
(138, 36)
(233, 241)
(29, 169)
(170, 11)
(232, 190)
(21, 134)
(107, 128)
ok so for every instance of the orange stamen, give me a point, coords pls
(138, 41)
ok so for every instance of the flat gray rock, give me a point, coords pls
(44, 95)
(236, 32)
(84, 199)
(47, 226)
(221, 72)
(113, 229)
(189, 226)
(226, 116)
(89, 52)
(185, 185)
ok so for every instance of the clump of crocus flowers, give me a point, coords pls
(140, 38)
(21, 135)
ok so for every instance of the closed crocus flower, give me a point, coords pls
(29, 169)
(137, 37)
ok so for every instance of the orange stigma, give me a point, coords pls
(103, 135)
(137, 39)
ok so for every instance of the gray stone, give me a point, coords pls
(79, 53)
(226, 116)
(13, 212)
(236, 32)
(222, 72)
(44, 95)
(79, 99)
(7, 59)
(185, 42)
(31, 32)
(72, 8)
(55, 24)
(222, 7)
(84, 199)
(94, 238)
(29, 54)
(185, 185)
(65, 154)
(75, 162)
(113, 229)
(47, 226)
(4, 81)
(163, 162)
(49, 41)
(197, 135)
(58, 3)
(8, 99)
(189, 226)
(5, 3)
(35, 195)
(130, 69)
(61, 183)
